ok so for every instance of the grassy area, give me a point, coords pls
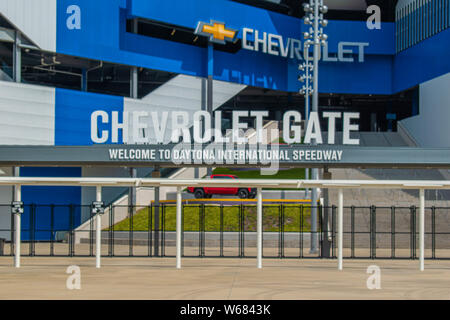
(294, 173)
(231, 220)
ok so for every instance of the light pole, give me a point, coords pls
(306, 89)
(314, 17)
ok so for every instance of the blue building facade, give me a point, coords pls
(159, 36)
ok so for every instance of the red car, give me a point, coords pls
(207, 192)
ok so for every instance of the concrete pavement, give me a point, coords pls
(157, 278)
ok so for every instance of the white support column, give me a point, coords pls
(98, 219)
(17, 223)
(17, 58)
(422, 230)
(178, 227)
(259, 228)
(340, 227)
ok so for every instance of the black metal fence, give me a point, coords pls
(229, 231)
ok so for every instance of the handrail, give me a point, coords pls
(261, 183)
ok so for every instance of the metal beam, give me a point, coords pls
(250, 183)
(101, 155)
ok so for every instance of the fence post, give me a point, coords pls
(373, 231)
(300, 238)
(31, 229)
(422, 230)
(150, 228)
(13, 235)
(91, 232)
(282, 231)
(163, 230)
(71, 232)
(130, 230)
(18, 226)
(413, 232)
(326, 244)
(241, 228)
(279, 231)
(433, 232)
(392, 232)
(98, 230)
(52, 229)
(200, 210)
(259, 210)
(111, 231)
(320, 229)
(182, 230)
(203, 230)
(178, 227)
(352, 226)
(221, 229)
(112, 214)
(340, 228)
(333, 231)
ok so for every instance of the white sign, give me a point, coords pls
(276, 45)
(134, 123)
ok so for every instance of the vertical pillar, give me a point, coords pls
(209, 96)
(315, 108)
(314, 198)
(326, 245)
(422, 230)
(156, 174)
(307, 94)
(178, 227)
(133, 71)
(203, 108)
(259, 227)
(132, 194)
(84, 80)
(17, 222)
(98, 220)
(306, 178)
(134, 81)
(340, 227)
(17, 59)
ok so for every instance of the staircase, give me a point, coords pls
(388, 197)
(181, 93)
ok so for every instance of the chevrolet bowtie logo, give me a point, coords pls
(216, 32)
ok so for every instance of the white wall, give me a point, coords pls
(27, 114)
(36, 19)
(431, 128)
(182, 93)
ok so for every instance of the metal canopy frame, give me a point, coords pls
(352, 157)
(18, 182)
